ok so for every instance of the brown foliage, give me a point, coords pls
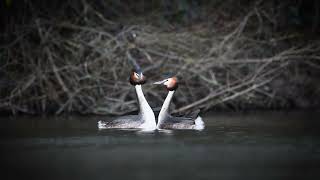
(82, 66)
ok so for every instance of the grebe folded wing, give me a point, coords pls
(129, 121)
(192, 114)
(172, 122)
(127, 118)
(174, 119)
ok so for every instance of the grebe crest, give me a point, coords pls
(137, 78)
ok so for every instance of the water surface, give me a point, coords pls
(256, 145)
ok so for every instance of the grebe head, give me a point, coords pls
(171, 83)
(137, 77)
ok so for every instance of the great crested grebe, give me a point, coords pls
(166, 121)
(144, 120)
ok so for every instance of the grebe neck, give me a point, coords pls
(146, 112)
(164, 112)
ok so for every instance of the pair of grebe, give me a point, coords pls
(146, 119)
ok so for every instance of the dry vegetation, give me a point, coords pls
(81, 64)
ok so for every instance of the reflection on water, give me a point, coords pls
(264, 145)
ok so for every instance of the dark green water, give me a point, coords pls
(260, 145)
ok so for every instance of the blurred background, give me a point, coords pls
(72, 56)
(251, 66)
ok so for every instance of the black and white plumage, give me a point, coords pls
(167, 121)
(144, 120)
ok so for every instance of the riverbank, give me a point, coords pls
(226, 57)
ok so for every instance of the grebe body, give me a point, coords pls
(144, 120)
(166, 120)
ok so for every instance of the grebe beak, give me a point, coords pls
(160, 82)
